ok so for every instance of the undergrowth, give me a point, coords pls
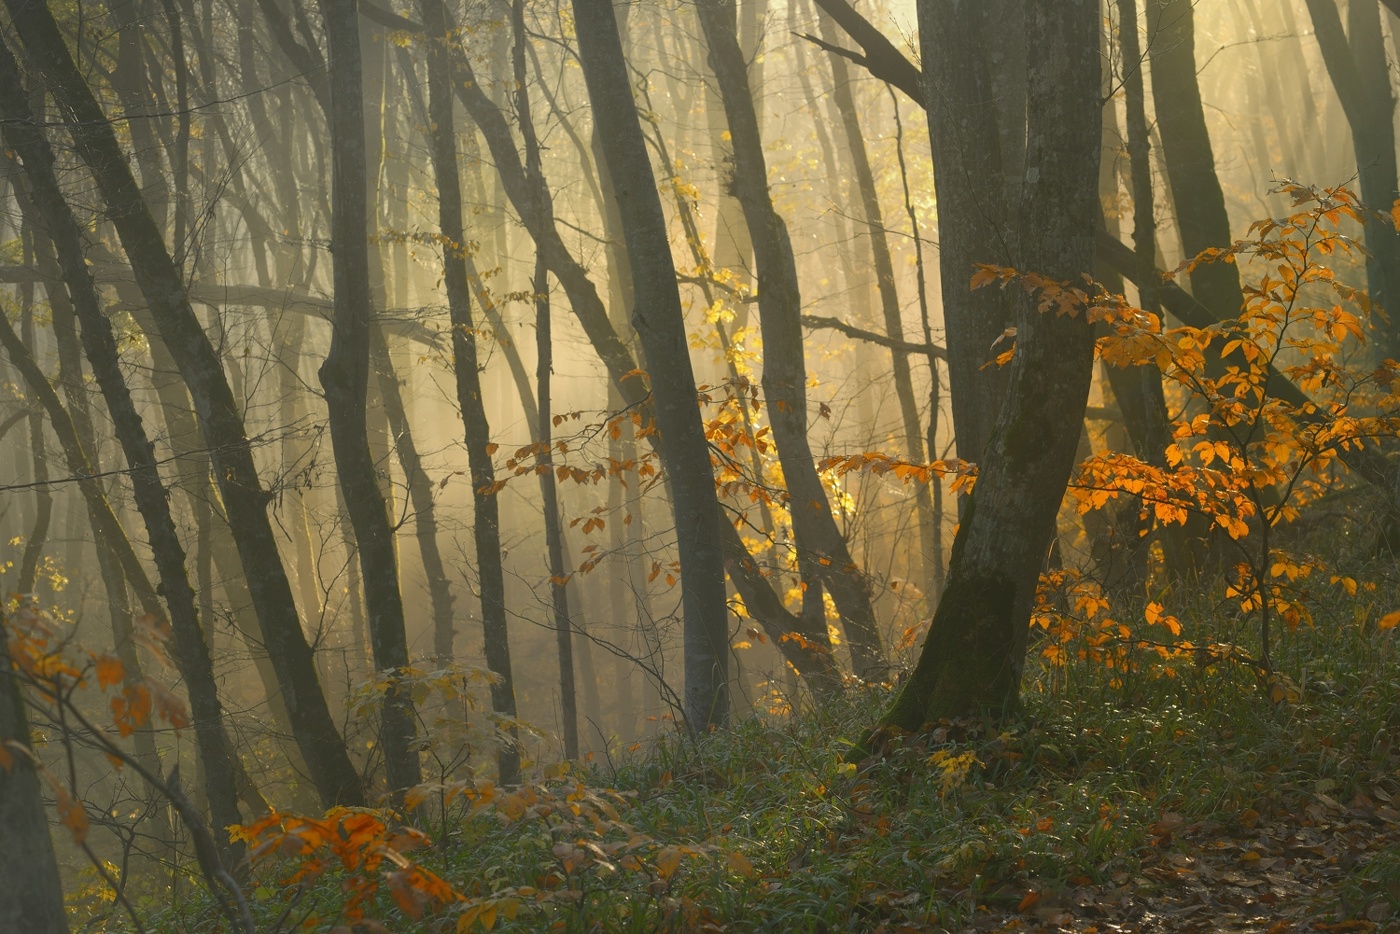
(1105, 779)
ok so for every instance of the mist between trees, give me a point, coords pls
(400, 392)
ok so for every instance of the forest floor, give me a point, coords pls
(1136, 800)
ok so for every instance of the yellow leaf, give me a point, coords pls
(740, 864)
(668, 860)
(1388, 621)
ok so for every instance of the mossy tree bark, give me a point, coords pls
(972, 658)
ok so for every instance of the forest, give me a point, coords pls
(721, 465)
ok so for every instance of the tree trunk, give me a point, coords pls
(821, 547)
(152, 500)
(1186, 150)
(487, 527)
(661, 326)
(972, 658)
(1356, 63)
(973, 222)
(345, 377)
(889, 301)
(244, 498)
(31, 899)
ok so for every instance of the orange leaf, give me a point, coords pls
(110, 671)
(72, 815)
(1028, 901)
(1388, 621)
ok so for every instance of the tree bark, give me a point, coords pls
(659, 322)
(244, 498)
(972, 658)
(487, 527)
(973, 222)
(821, 548)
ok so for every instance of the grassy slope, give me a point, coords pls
(1184, 803)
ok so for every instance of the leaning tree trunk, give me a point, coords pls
(822, 550)
(244, 498)
(972, 658)
(661, 326)
(152, 500)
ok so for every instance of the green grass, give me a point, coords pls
(1100, 783)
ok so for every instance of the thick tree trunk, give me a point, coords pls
(244, 498)
(973, 222)
(821, 548)
(661, 326)
(972, 658)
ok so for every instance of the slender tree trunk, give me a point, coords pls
(345, 377)
(972, 658)
(821, 546)
(549, 498)
(31, 899)
(1356, 62)
(244, 498)
(1139, 390)
(661, 326)
(1187, 152)
(487, 528)
(931, 438)
(43, 514)
(889, 300)
(151, 496)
